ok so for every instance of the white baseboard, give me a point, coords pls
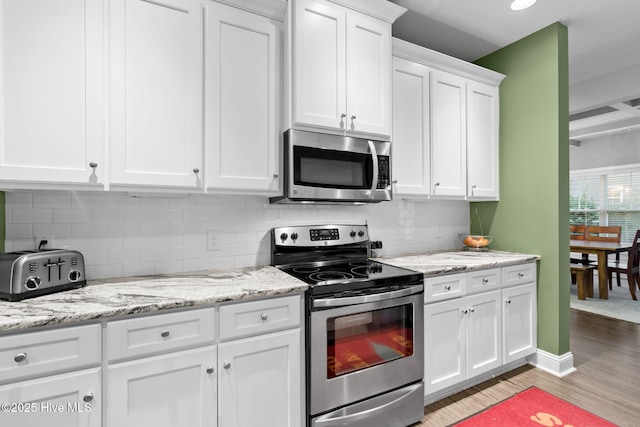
(559, 366)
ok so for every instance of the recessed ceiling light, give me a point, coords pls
(522, 4)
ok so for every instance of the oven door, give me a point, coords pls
(363, 350)
(337, 168)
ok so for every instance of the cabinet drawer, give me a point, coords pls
(483, 280)
(444, 287)
(46, 352)
(259, 317)
(131, 338)
(518, 274)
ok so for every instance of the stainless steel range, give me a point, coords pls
(364, 324)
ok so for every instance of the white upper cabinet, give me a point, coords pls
(411, 130)
(464, 126)
(242, 101)
(449, 133)
(52, 92)
(156, 93)
(482, 141)
(341, 67)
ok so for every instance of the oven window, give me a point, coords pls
(360, 341)
(332, 168)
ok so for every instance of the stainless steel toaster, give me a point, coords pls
(27, 274)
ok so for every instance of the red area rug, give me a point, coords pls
(534, 408)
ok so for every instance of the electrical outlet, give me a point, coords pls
(212, 240)
(44, 237)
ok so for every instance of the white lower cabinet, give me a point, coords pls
(260, 381)
(177, 389)
(66, 400)
(476, 323)
(463, 338)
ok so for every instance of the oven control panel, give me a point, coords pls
(319, 235)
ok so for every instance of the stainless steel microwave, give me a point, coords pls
(334, 169)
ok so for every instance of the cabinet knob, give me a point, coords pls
(395, 181)
(353, 117)
(165, 333)
(520, 274)
(508, 301)
(196, 170)
(471, 310)
(210, 370)
(88, 397)
(276, 176)
(485, 280)
(264, 316)
(343, 115)
(447, 288)
(226, 365)
(465, 311)
(93, 165)
(20, 357)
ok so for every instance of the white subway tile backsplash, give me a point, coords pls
(122, 235)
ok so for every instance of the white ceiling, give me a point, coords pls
(604, 48)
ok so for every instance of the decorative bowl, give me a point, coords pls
(475, 241)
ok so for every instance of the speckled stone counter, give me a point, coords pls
(117, 297)
(437, 263)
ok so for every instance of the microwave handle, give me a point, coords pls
(374, 157)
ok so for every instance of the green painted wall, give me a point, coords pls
(532, 215)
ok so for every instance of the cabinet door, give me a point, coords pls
(368, 75)
(482, 141)
(156, 92)
(444, 345)
(484, 332)
(177, 389)
(319, 74)
(52, 86)
(519, 321)
(260, 381)
(67, 400)
(411, 138)
(449, 135)
(242, 100)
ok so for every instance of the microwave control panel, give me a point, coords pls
(384, 175)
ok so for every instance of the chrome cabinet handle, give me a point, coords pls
(210, 370)
(264, 316)
(20, 357)
(88, 397)
(165, 333)
(93, 165)
(226, 365)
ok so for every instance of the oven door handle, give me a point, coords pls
(363, 299)
(374, 158)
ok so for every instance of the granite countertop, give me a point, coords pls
(446, 262)
(117, 297)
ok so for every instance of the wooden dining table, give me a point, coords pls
(602, 250)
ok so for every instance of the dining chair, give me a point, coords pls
(579, 232)
(606, 233)
(631, 268)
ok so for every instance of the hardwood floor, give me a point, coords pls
(607, 382)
